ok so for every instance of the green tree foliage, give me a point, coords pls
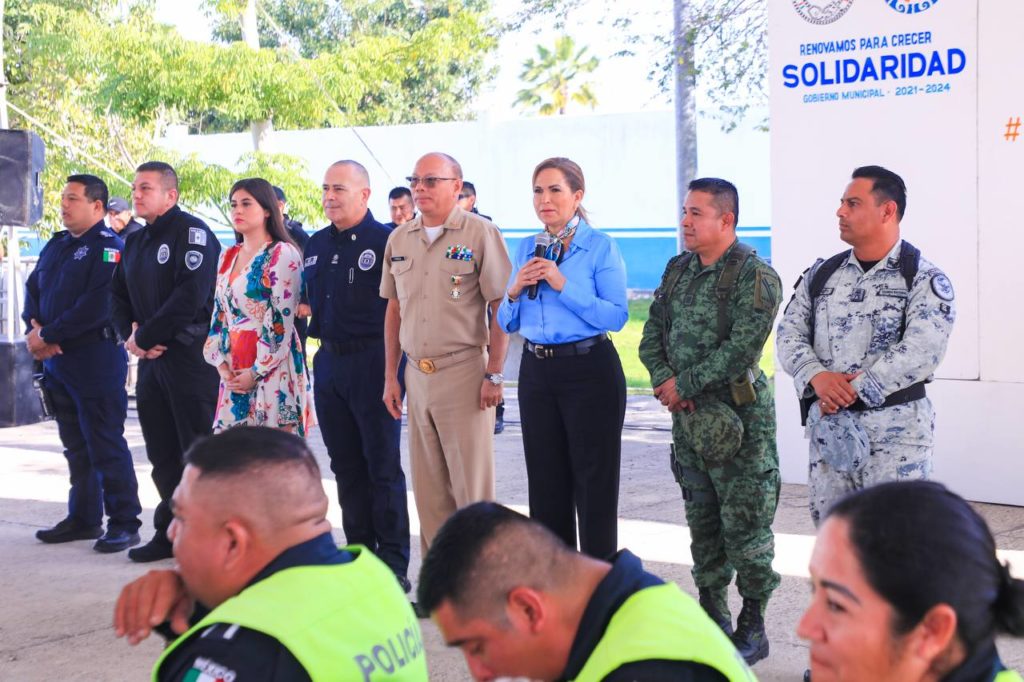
(101, 80)
(729, 39)
(413, 60)
(553, 77)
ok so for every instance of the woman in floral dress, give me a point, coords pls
(253, 342)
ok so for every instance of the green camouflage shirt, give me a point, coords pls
(680, 337)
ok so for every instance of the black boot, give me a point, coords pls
(717, 609)
(750, 639)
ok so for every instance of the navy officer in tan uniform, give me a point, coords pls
(441, 271)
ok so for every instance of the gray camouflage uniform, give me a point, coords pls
(857, 328)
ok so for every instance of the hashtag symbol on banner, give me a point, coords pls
(1012, 129)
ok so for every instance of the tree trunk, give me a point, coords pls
(686, 108)
(3, 81)
(261, 130)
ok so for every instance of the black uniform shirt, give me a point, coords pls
(295, 231)
(165, 280)
(626, 578)
(342, 281)
(226, 648)
(131, 227)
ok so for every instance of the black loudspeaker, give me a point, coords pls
(19, 400)
(21, 165)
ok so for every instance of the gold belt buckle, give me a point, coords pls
(426, 366)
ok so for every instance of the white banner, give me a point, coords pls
(904, 84)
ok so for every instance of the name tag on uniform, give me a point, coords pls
(311, 261)
(397, 259)
(895, 293)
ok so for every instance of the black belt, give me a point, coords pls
(101, 334)
(349, 347)
(904, 395)
(559, 350)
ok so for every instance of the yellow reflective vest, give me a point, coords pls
(663, 623)
(341, 622)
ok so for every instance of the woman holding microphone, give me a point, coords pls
(572, 392)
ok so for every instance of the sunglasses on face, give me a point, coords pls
(429, 182)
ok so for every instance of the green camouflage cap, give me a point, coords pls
(714, 430)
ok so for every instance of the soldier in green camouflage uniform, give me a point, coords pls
(708, 324)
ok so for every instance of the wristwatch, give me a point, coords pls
(496, 378)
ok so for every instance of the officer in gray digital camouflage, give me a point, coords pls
(861, 337)
(708, 323)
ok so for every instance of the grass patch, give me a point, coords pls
(627, 342)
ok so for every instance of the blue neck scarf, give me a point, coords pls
(557, 247)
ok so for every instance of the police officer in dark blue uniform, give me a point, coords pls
(342, 274)
(301, 238)
(67, 315)
(120, 218)
(163, 299)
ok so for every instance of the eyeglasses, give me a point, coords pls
(430, 181)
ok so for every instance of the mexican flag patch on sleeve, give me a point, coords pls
(111, 256)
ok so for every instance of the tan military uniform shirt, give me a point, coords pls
(444, 287)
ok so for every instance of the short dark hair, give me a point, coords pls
(919, 545)
(244, 449)
(263, 192)
(168, 176)
(481, 552)
(723, 193)
(399, 192)
(95, 188)
(468, 188)
(279, 193)
(886, 186)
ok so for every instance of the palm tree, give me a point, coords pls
(551, 77)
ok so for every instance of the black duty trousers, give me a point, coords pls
(572, 409)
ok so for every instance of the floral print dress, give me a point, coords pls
(253, 327)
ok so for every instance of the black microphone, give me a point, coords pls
(540, 246)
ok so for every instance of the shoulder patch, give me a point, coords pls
(193, 259)
(197, 236)
(942, 287)
(205, 668)
(765, 296)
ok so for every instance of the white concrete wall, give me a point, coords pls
(628, 161)
(964, 206)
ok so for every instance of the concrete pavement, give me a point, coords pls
(56, 601)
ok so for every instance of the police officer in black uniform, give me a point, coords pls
(163, 300)
(342, 274)
(67, 317)
(301, 238)
(120, 218)
(401, 205)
